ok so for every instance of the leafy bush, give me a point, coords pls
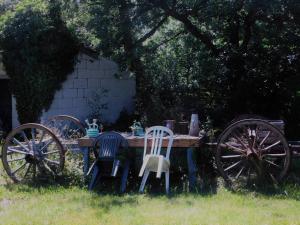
(97, 104)
(38, 54)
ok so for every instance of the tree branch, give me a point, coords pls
(195, 31)
(235, 23)
(166, 41)
(140, 12)
(248, 23)
(152, 31)
(204, 38)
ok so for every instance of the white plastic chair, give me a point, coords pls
(155, 161)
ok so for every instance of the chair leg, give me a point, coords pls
(86, 160)
(159, 167)
(124, 177)
(145, 177)
(116, 165)
(167, 178)
(94, 177)
(145, 162)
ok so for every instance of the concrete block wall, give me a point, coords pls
(91, 76)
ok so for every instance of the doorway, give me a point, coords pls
(5, 105)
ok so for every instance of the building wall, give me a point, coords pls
(89, 77)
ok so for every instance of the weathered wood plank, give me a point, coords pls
(180, 141)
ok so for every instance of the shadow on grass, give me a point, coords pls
(208, 183)
(106, 201)
(42, 184)
(288, 189)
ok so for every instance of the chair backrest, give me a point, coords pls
(109, 143)
(156, 135)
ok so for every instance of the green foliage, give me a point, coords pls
(98, 104)
(220, 58)
(123, 122)
(231, 59)
(183, 78)
(38, 54)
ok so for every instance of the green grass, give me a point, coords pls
(21, 204)
(25, 204)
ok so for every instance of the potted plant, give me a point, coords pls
(137, 129)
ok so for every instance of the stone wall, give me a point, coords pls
(89, 77)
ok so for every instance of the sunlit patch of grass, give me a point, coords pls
(73, 205)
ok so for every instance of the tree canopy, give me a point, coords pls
(221, 58)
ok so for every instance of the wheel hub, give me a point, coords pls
(34, 156)
(30, 159)
(251, 153)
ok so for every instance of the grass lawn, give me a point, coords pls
(23, 204)
(59, 205)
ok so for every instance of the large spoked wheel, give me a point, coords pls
(251, 151)
(68, 129)
(32, 151)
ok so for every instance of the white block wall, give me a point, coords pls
(89, 76)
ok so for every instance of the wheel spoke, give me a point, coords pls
(16, 159)
(19, 143)
(46, 145)
(272, 163)
(48, 153)
(233, 165)
(237, 135)
(240, 172)
(273, 178)
(48, 168)
(264, 139)
(231, 156)
(28, 169)
(276, 155)
(240, 141)
(233, 148)
(26, 139)
(10, 149)
(19, 168)
(51, 161)
(272, 145)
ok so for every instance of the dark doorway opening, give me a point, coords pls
(5, 105)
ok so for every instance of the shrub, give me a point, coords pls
(38, 54)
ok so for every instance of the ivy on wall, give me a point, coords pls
(38, 53)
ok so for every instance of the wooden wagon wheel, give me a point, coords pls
(68, 129)
(252, 150)
(32, 151)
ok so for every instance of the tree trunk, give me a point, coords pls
(134, 62)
